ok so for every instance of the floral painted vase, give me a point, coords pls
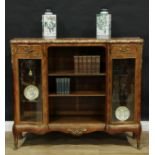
(103, 25)
(49, 25)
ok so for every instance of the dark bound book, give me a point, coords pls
(97, 64)
(68, 85)
(57, 89)
(93, 64)
(89, 64)
(84, 68)
(80, 64)
(58, 85)
(65, 85)
(76, 65)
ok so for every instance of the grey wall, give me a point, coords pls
(76, 18)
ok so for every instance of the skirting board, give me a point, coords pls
(9, 124)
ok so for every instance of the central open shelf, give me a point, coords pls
(85, 100)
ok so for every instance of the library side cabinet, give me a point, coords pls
(77, 86)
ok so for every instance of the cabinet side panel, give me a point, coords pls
(138, 82)
(15, 84)
(45, 84)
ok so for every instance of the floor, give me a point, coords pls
(91, 144)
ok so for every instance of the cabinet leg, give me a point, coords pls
(15, 135)
(138, 141)
(133, 135)
(20, 135)
(138, 137)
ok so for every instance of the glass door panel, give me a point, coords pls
(30, 90)
(123, 89)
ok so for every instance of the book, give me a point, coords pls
(84, 63)
(80, 58)
(58, 88)
(68, 85)
(88, 64)
(97, 58)
(65, 85)
(76, 65)
(93, 64)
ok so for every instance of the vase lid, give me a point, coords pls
(48, 11)
(104, 10)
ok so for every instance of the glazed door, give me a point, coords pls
(123, 90)
(30, 89)
(29, 84)
(124, 77)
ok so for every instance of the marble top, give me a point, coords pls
(77, 40)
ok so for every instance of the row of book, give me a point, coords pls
(62, 85)
(87, 64)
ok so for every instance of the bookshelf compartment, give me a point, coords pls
(68, 106)
(79, 86)
(61, 59)
(73, 119)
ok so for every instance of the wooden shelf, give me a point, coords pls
(79, 93)
(72, 73)
(77, 119)
(79, 112)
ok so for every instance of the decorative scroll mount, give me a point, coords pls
(77, 131)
